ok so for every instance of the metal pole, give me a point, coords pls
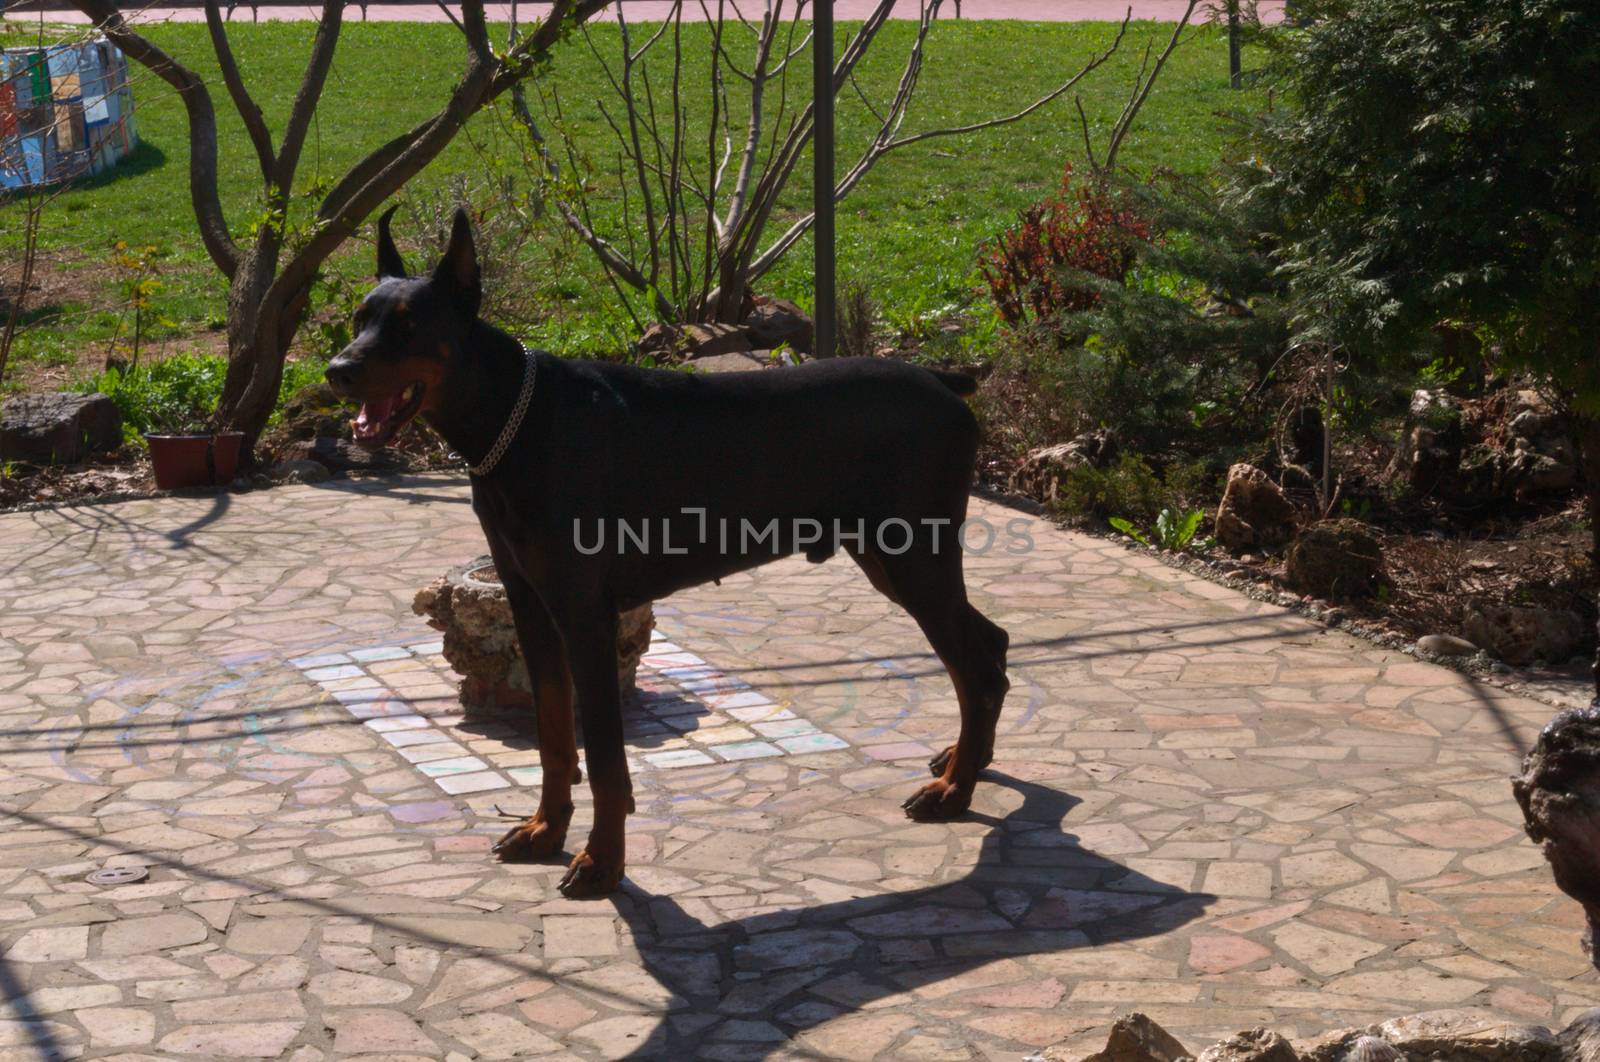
(1235, 78)
(822, 176)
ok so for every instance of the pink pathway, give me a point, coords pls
(645, 10)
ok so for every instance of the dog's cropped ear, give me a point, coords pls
(390, 264)
(457, 274)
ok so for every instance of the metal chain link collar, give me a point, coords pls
(509, 432)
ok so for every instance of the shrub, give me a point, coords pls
(1128, 489)
(1179, 352)
(1035, 269)
(178, 393)
(1174, 530)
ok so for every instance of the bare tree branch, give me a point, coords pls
(306, 99)
(255, 123)
(202, 128)
(1120, 131)
(886, 142)
(609, 257)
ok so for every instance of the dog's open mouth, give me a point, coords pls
(380, 419)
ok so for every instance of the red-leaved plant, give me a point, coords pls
(1080, 228)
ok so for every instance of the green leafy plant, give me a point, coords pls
(1174, 530)
(1129, 487)
(1126, 527)
(176, 394)
(136, 278)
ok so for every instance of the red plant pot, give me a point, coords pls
(194, 460)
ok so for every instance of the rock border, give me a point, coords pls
(1480, 665)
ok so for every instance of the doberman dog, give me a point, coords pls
(580, 468)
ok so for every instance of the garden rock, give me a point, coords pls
(776, 322)
(1338, 559)
(1434, 440)
(1133, 1038)
(311, 412)
(1469, 1034)
(1043, 471)
(1559, 792)
(342, 455)
(1465, 1034)
(469, 605)
(1252, 1045)
(1580, 1040)
(1537, 473)
(58, 428)
(1254, 513)
(747, 361)
(1519, 635)
(302, 471)
(695, 340)
(1445, 645)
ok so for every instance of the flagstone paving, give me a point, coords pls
(1201, 807)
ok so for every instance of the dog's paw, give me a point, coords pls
(940, 761)
(937, 801)
(586, 878)
(532, 839)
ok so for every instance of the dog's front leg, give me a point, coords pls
(542, 834)
(591, 639)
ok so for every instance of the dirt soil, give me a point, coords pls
(1441, 559)
(71, 283)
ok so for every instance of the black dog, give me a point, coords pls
(610, 486)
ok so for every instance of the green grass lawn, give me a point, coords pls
(909, 233)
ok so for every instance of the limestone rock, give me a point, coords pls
(1372, 1049)
(1559, 792)
(311, 412)
(775, 322)
(1580, 1040)
(342, 455)
(695, 340)
(1445, 645)
(469, 605)
(1254, 512)
(1434, 440)
(58, 428)
(1521, 635)
(1044, 470)
(1337, 559)
(1252, 1045)
(743, 361)
(1468, 1035)
(1134, 1038)
(302, 471)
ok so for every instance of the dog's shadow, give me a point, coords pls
(1033, 889)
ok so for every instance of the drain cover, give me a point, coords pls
(117, 876)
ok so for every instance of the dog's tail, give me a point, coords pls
(959, 382)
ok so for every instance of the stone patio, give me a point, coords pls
(1201, 807)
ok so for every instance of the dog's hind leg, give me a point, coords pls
(995, 641)
(929, 586)
(543, 833)
(591, 638)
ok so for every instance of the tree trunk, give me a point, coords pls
(1589, 443)
(260, 330)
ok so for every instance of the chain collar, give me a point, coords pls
(513, 423)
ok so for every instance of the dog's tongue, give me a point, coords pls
(374, 413)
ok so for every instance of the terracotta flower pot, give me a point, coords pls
(194, 460)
